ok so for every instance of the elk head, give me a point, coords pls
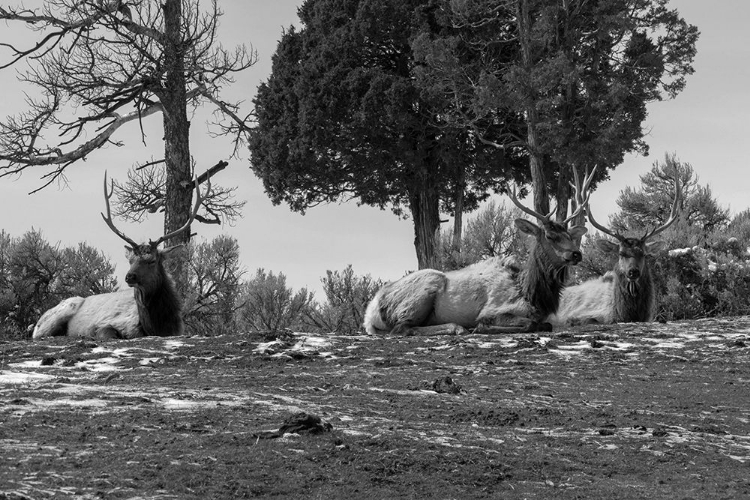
(146, 260)
(632, 252)
(555, 238)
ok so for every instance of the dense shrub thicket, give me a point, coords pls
(35, 275)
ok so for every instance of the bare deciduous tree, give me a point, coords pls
(102, 64)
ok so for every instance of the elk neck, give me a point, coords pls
(159, 309)
(634, 301)
(542, 280)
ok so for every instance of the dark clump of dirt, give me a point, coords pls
(299, 423)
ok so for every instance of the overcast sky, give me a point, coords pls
(706, 126)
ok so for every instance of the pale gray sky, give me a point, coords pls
(705, 126)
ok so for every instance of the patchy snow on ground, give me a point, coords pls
(12, 378)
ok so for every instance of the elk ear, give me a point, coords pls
(577, 231)
(528, 227)
(128, 252)
(654, 247)
(607, 246)
(166, 252)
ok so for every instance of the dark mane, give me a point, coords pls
(159, 312)
(542, 281)
(634, 302)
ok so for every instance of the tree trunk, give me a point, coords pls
(458, 218)
(536, 163)
(179, 188)
(425, 211)
(562, 194)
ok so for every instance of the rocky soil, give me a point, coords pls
(626, 411)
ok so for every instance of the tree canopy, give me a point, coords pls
(431, 104)
(649, 205)
(581, 77)
(343, 117)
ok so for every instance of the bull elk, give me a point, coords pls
(626, 293)
(152, 308)
(492, 296)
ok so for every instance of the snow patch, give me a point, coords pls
(16, 378)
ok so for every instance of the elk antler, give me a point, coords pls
(649, 234)
(672, 214)
(527, 210)
(108, 218)
(193, 213)
(582, 191)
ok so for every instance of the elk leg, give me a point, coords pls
(505, 323)
(405, 329)
(107, 333)
(495, 330)
(583, 322)
(541, 326)
(446, 329)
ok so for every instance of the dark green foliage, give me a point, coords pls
(344, 116)
(425, 105)
(590, 70)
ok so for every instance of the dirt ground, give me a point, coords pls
(634, 411)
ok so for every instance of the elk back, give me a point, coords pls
(106, 315)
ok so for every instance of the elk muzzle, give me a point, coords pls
(633, 274)
(573, 257)
(131, 279)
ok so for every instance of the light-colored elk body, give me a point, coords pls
(107, 315)
(151, 308)
(493, 296)
(625, 294)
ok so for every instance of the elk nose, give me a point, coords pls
(130, 279)
(575, 257)
(633, 274)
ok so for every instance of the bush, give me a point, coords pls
(490, 233)
(267, 305)
(347, 296)
(215, 274)
(698, 282)
(35, 275)
(677, 278)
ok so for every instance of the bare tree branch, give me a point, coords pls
(104, 61)
(145, 190)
